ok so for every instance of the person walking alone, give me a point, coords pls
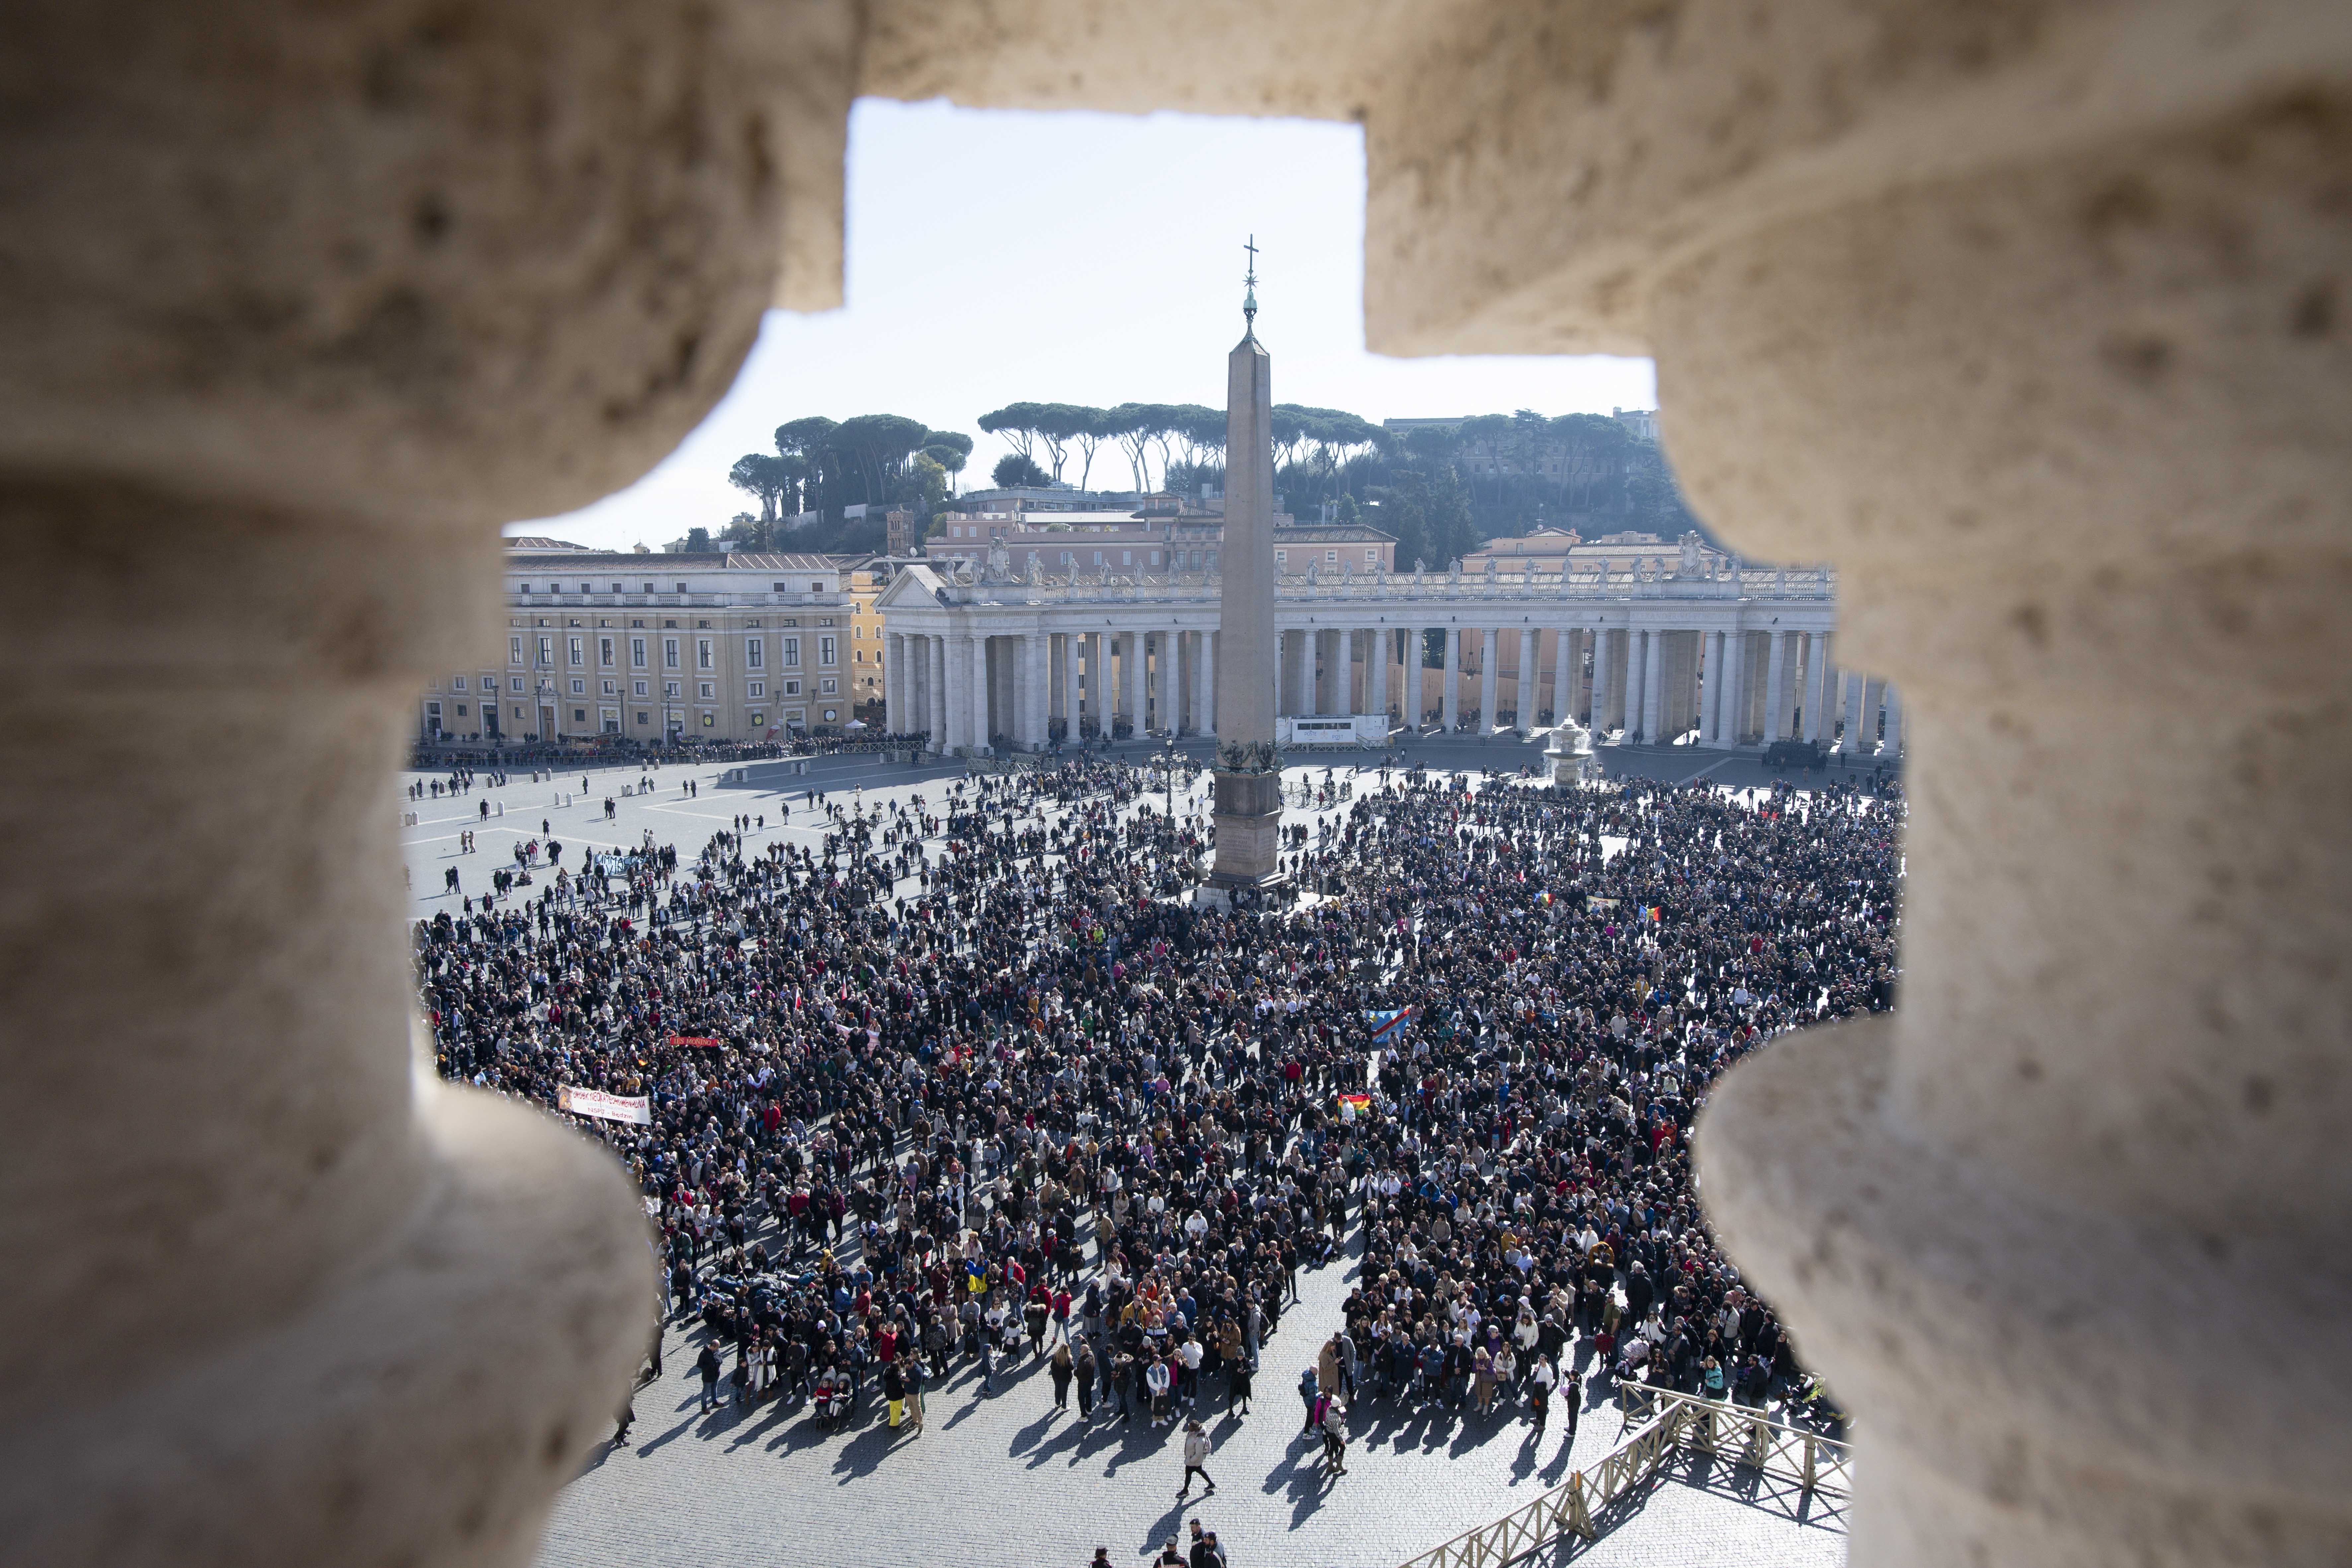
(1196, 1455)
(707, 1363)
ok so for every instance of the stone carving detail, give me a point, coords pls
(1693, 554)
(1249, 756)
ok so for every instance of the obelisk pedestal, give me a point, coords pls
(1248, 780)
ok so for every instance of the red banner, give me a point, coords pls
(702, 1042)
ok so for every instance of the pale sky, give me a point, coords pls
(998, 256)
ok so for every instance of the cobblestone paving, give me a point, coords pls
(1003, 1478)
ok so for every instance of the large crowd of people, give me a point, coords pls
(969, 1076)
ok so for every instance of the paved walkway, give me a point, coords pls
(1005, 1478)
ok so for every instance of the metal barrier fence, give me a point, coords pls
(1668, 1422)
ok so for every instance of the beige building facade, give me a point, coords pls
(1695, 648)
(864, 578)
(656, 650)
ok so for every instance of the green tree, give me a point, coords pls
(1017, 470)
(950, 449)
(810, 442)
(767, 477)
(875, 449)
(1015, 423)
(698, 542)
(927, 479)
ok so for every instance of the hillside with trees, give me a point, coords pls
(1440, 489)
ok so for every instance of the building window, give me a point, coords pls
(612, 689)
(514, 650)
(681, 588)
(546, 652)
(669, 653)
(637, 689)
(702, 653)
(791, 689)
(604, 652)
(792, 652)
(708, 692)
(1331, 558)
(781, 588)
(670, 689)
(1282, 558)
(1155, 558)
(828, 651)
(577, 652)
(637, 652)
(526, 588)
(756, 689)
(1372, 554)
(649, 587)
(755, 652)
(516, 682)
(579, 688)
(817, 587)
(829, 686)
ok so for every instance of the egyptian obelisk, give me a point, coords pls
(1249, 786)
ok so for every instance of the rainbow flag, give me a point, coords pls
(1359, 1103)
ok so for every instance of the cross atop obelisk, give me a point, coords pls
(1249, 293)
(1249, 798)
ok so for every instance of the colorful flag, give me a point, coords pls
(1389, 1026)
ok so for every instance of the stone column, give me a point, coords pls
(1138, 667)
(1626, 689)
(1450, 697)
(1303, 692)
(1380, 649)
(1069, 714)
(1037, 707)
(1710, 688)
(1653, 686)
(984, 715)
(1776, 671)
(1205, 689)
(958, 689)
(1893, 721)
(1567, 643)
(1168, 682)
(1530, 686)
(935, 659)
(2107, 1117)
(1600, 677)
(1489, 679)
